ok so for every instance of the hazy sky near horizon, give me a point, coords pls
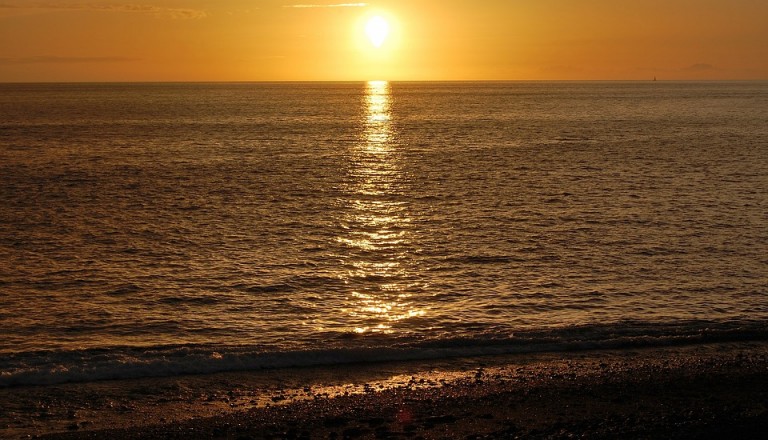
(258, 40)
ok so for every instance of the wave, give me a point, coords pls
(57, 367)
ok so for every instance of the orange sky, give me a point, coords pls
(258, 40)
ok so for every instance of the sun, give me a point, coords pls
(377, 30)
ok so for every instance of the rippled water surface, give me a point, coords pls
(212, 220)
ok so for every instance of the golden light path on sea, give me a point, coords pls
(378, 235)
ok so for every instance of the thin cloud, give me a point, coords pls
(157, 11)
(46, 59)
(338, 5)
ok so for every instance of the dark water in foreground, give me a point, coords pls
(176, 228)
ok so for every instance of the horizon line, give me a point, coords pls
(391, 81)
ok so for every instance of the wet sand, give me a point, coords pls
(703, 391)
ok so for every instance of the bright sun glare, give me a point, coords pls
(377, 30)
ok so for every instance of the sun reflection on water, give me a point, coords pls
(377, 221)
(378, 131)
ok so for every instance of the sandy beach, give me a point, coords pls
(698, 391)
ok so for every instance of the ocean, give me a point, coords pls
(165, 229)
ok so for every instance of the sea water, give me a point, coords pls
(163, 229)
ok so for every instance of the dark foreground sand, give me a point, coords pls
(705, 391)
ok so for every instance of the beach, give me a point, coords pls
(696, 391)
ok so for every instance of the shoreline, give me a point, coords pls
(692, 391)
